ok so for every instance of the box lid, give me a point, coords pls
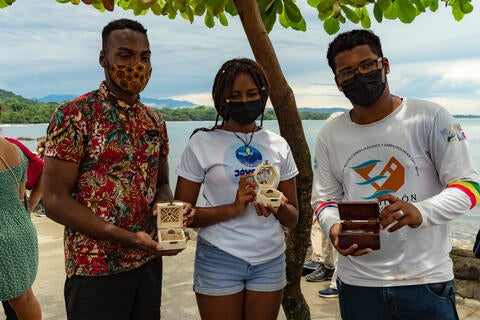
(169, 215)
(265, 175)
(361, 210)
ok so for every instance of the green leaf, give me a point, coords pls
(220, 7)
(99, 6)
(189, 13)
(124, 4)
(292, 11)
(331, 25)
(325, 15)
(223, 19)
(420, 6)
(360, 3)
(60, 1)
(231, 8)
(313, 3)
(199, 9)
(279, 7)
(325, 6)
(377, 12)
(457, 11)
(365, 19)
(406, 10)
(391, 13)
(264, 5)
(269, 19)
(209, 22)
(434, 6)
(212, 3)
(300, 26)
(466, 7)
(181, 5)
(350, 14)
(283, 20)
(384, 4)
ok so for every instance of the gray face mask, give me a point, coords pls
(364, 89)
(244, 112)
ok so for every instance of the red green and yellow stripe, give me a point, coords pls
(471, 189)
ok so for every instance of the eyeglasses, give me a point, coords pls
(363, 68)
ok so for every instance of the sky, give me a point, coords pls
(51, 48)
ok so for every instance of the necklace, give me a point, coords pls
(245, 143)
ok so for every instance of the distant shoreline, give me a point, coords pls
(200, 120)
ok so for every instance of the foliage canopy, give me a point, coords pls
(331, 12)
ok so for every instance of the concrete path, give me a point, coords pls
(178, 301)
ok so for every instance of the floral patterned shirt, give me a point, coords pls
(118, 148)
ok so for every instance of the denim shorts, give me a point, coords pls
(425, 301)
(218, 273)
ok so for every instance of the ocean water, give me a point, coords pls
(463, 228)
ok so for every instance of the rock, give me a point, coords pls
(466, 268)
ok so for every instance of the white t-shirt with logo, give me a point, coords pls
(217, 159)
(413, 153)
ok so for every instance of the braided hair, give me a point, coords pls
(223, 85)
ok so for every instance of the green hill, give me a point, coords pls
(6, 96)
(17, 109)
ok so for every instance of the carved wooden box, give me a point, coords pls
(170, 225)
(360, 225)
(266, 177)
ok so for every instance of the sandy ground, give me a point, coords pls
(178, 274)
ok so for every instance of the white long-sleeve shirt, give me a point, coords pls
(418, 153)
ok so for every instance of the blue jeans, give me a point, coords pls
(428, 301)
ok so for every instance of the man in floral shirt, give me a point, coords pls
(105, 167)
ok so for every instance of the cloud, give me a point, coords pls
(52, 48)
(201, 99)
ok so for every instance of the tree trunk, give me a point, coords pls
(283, 101)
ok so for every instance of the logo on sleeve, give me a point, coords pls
(453, 133)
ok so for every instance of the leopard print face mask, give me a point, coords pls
(132, 78)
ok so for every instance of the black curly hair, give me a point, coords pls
(223, 85)
(348, 40)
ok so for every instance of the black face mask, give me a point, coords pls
(364, 89)
(245, 112)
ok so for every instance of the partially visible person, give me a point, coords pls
(321, 265)
(34, 182)
(405, 155)
(41, 148)
(39, 210)
(322, 248)
(240, 257)
(18, 237)
(106, 166)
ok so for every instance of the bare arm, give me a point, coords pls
(187, 191)
(287, 212)
(36, 193)
(58, 183)
(164, 193)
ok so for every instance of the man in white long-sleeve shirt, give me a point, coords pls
(410, 156)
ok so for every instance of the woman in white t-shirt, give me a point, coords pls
(240, 256)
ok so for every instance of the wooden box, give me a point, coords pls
(266, 177)
(170, 226)
(359, 225)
